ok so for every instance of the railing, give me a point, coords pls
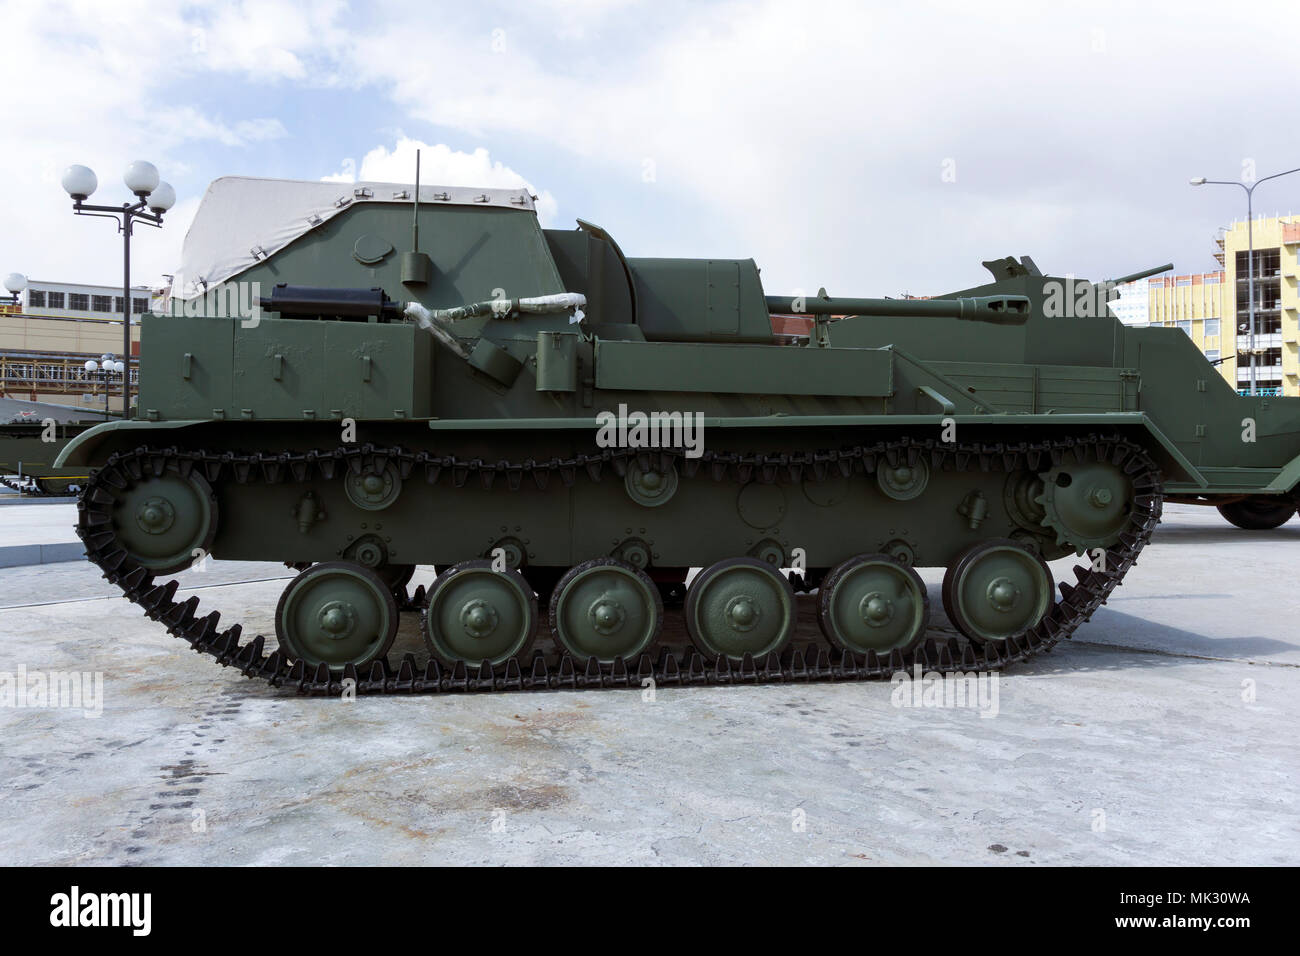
(60, 374)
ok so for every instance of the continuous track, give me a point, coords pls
(540, 671)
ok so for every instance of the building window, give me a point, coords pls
(1212, 354)
(1212, 280)
(1211, 326)
(35, 300)
(1185, 325)
(78, 302)
(1268, 263)
(139, 306)
(101, 303)
(54, 300)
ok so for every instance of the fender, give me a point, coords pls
(1286, 479)
(83, 450)
(91, 447)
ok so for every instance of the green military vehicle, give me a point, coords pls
(1243, 451)
(1251, 481)
(28, 449)
(565, 432)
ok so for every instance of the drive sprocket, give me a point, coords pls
(1087, 504)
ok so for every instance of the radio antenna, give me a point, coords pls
(415, 210)
(417, 268)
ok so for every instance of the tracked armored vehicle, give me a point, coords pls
(28, 449)
(564, 431)
(1250, 475)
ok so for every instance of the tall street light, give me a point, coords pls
(141, 178)
(105, 367)
(1250, 249)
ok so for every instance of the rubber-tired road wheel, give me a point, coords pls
(872, 603)
(606, 609)
(336, 613)
(996, 590)
(739, 606)
(1259, 512)
(476, 614)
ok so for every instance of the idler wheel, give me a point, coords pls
(996, 590)
(161, 521)
(476, 614)
(872, 603)
(606, 609)
(739, 606)
(336, 613)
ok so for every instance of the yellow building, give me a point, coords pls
(1213, 307)
(1195, 304)
(1277, 242)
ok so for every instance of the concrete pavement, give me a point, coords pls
(1164, 733)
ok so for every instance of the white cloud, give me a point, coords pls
(814, 133)
(810, 136)
(90, 82)
(174, 125)
(270, 40)
(440, 165)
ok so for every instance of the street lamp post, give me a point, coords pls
(1250, 250)
(15, 282)
(142, 179)
(106, 366)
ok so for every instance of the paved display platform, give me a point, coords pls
(37, 530)
(1164, 733)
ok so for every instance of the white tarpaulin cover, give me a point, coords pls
(243, 220)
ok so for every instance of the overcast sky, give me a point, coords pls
(870, 148)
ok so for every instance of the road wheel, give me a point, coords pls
(996, 590)
(1259, 512)
(873, 603)
(336, 613)
(739, 606)
(476, 614)
(606, 609)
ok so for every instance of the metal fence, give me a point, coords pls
(63, 374)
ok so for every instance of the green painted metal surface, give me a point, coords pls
(691, 336)
(25, 450)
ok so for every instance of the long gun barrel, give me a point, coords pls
(1001, 309)
(1144, 274)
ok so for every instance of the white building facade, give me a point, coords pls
(1133, 307)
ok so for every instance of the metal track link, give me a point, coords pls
(541, 672)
